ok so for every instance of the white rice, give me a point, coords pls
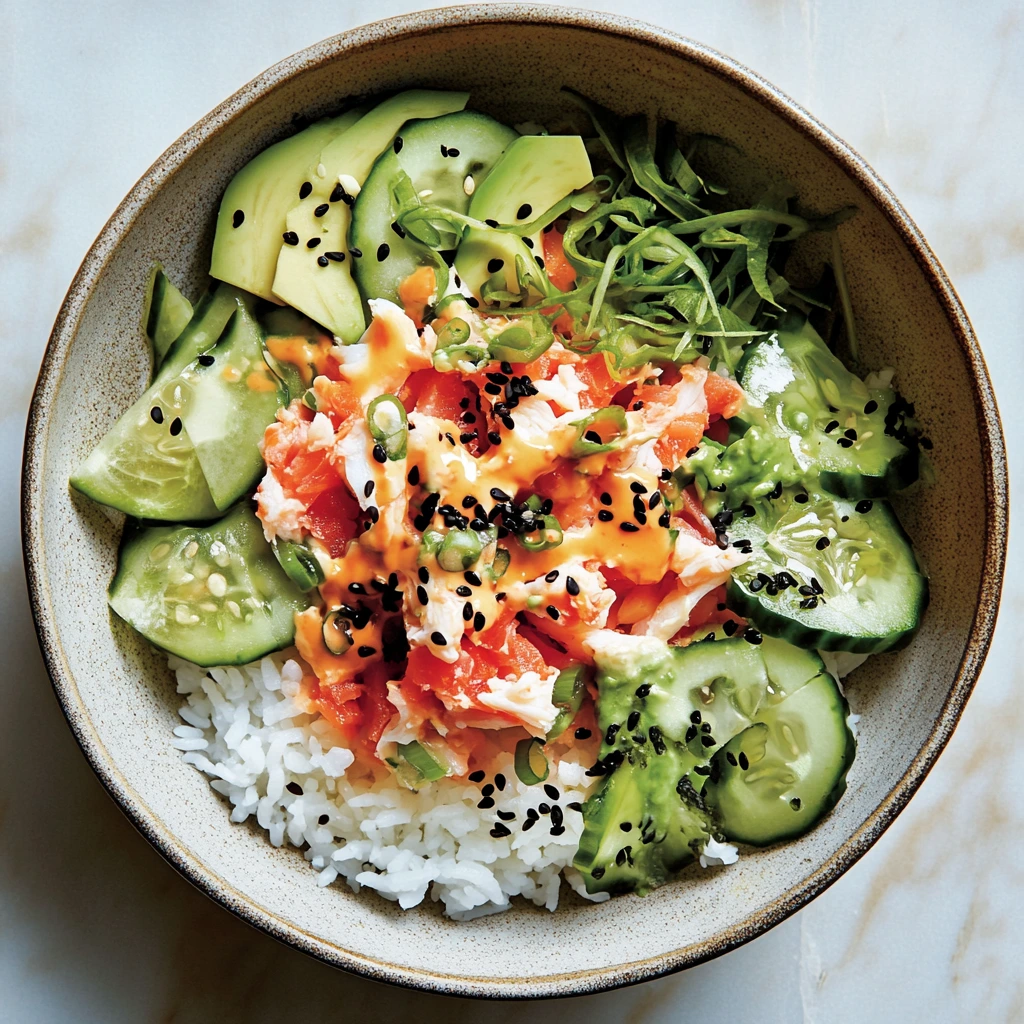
(244, 730)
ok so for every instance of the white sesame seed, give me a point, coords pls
(349, 184)
(191, 550)
(321, 171)
(232, 607)
(469, 185)
(217, 584)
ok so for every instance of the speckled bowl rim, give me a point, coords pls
(66, 326)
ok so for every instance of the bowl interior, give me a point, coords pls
(119, 694)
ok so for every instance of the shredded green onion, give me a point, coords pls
(530, 762)
(389, 426)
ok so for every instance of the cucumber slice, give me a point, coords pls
(851, 435)
(213, 595)
(165, 313)
(641, 827)
(663, 712)
(781, 776)
(253, 212)
(535, 173)
(202, 332)
(443, 156)
(228, 396)
(321, 285)
(192, 439)
(862, 592)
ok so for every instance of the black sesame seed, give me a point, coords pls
(479, 621)
(494, 437)
(398, 143)
(524, 211)
(477, 776)
(664, 519)
(571, 586)
(414, 476)
(366, 651)
(322, 261)
(870, 407)
(863, 506)
(383, 252)
(831, 425)
(552, 611)
(491, 223)
(487, 790)
(421, 595)
(605, 516)
(356, 253)
(379, 454)
(752, 636)
(844, 442)
(156, 414)
(335, 257)
(493, 266)
(500, 831)
(323, 819)
(294, 787)
(438, 638)
(633, 721)
(313, 243)
(444, 149)
(821, 543)
(237, 218)
(321, 209)
(730, 757)
(471, 578)
(637, 488)
(290, 238)
(486, 804)
(467, 611)
(551, 791)
(629, 527)
(795, 803)
(373, 512)
(529, 823)
(643, 690)
(582, 733)
(175, 427)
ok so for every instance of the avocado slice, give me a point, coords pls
(535, 172)
(313, 266)
(251, 221)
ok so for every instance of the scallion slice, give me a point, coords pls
(461, 549)
(547, 534)
(337, 631)
(299, 563)
(500, 565)
(389, 425)
(418, 757)
(567, 695)
(531, 764)
(523, 342)
(608, 424)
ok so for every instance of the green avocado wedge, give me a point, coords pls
(313, 272)
(253, 211)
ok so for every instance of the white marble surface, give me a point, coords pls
(929, 926)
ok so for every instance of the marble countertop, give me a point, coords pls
(94, 926)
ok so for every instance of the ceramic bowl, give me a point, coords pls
(119, 697)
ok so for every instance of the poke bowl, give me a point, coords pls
(656, 317)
